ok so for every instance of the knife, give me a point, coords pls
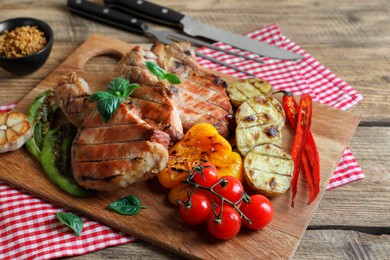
(125, 21)
(196, 28)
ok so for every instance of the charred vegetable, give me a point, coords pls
(15, 130)
(262, 104)
(257, 129)
(268, 169)
(55, 159)
(304, 149)
(41, 115)
(201, 142)
(242, 90)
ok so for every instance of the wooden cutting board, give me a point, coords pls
(160, 223)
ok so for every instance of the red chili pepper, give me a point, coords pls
(313, 158)
(310, 156)
(308, 170)
(304, 150)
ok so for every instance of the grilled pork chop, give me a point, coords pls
(70, 95)
(201, 97)
(155, 96)
(114, 155)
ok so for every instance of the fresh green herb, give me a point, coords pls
(162, 74)
(108, 101)
(72, 221)
(172, 78)
(129, 205)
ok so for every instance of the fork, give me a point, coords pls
(125, 21)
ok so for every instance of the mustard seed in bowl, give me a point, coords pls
(25, 44)
(21, 41)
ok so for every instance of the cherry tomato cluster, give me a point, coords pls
(222, 203)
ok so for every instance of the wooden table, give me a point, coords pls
(349, 37)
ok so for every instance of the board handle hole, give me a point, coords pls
(102, 64)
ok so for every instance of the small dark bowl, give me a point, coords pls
(27, 64)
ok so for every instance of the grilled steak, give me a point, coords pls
(113, 155)
(154, 97)
(201, 97)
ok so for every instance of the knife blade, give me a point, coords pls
(124, 21)
(196, 28)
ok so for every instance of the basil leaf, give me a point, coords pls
(108, 101)
(172, 78)
(107, 106)
(161, 74)
(129, 205)
(72, 221)
(118, 86)
(130, 89)
(99, 95)
(155, 69)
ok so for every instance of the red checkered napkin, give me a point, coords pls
(28, 225)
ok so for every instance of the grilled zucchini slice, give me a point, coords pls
(262, 104)
(242, 90)
(268, 169)
(257, 129)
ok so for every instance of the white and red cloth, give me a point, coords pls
(28, 225)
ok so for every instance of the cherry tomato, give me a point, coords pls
(226, 225)
(230, 188)
(179, 193)
(259, 210)
(197, 210)
(205, 174)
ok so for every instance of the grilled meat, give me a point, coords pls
(155, 96)
(133, 145)
(114, 155)
(201, 97)
(118, 154)
(71, 94)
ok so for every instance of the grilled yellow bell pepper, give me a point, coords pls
(201, 142)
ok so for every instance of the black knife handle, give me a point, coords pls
(107, 16)
(149, 10)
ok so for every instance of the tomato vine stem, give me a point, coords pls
(199, 170)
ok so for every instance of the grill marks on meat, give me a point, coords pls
(201, 97)
(123, 152)
(195, 108)
(158, 110)
(155, 96)
(115, 155)
(133, 145)
(71, 95)
(132, 67)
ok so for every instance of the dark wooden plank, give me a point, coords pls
(340, 244)
(334, 244)
(366, 202)
(135, 250)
